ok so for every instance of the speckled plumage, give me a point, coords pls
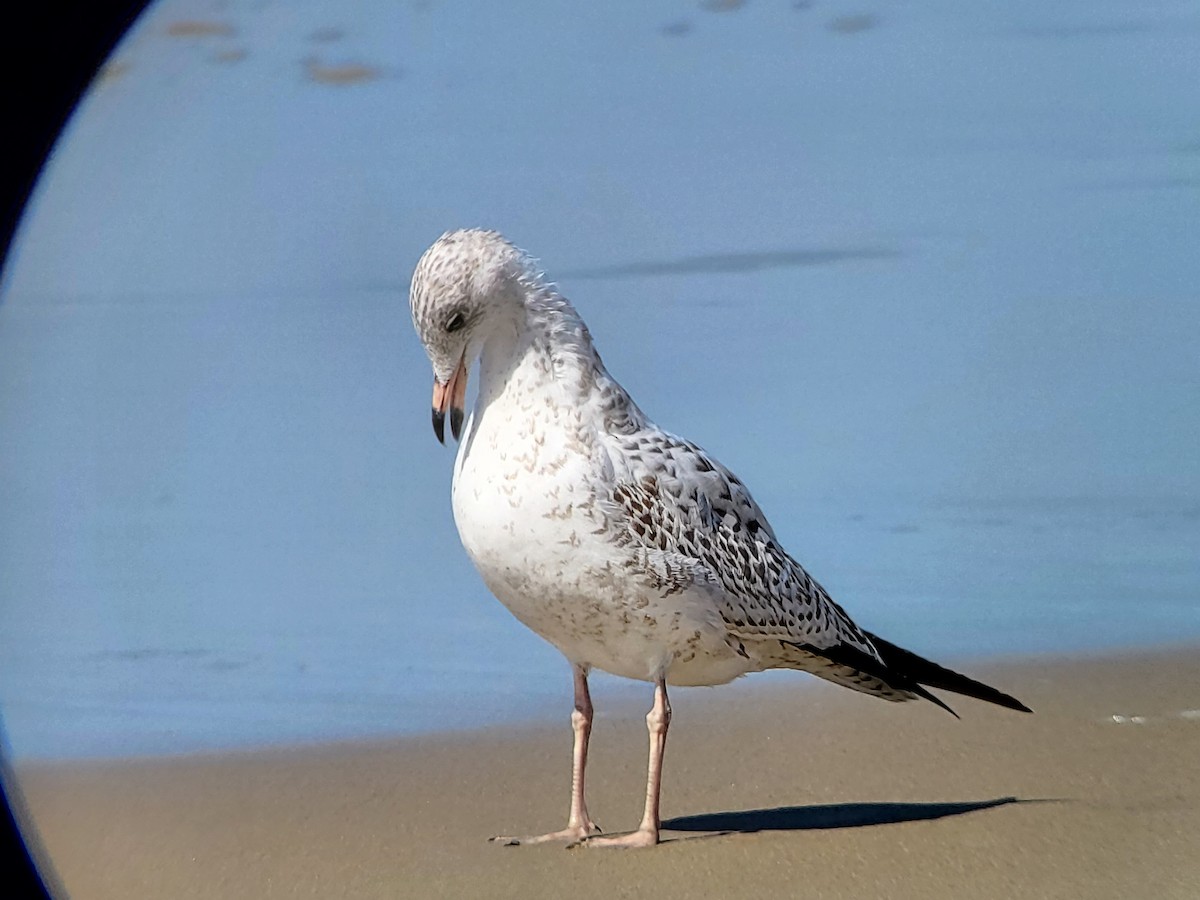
(628, 548)
(565, 490)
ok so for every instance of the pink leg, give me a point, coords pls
(658, 720)
(579, 823)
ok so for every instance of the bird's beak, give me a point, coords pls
(451, 394)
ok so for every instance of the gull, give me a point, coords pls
(631, 550)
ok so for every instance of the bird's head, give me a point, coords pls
(464, 286)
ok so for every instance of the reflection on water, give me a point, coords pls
(339, 73)
(327, 34)
(942, 322)
(851, 24)
(198, 28)
(731, 262)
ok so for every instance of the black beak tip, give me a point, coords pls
(456, 422)
(439, 425)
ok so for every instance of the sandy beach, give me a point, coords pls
(770, 791)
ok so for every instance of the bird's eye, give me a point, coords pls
(455, 322)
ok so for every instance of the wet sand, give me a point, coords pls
(770, 790)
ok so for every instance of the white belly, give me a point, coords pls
(528, 515)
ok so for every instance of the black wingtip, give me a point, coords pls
(903, 670)
(923, 672)
(933, 698)
(439, 425)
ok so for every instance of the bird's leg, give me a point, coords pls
(658, 720)
(579, 823)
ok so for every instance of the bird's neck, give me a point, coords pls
(544, 344)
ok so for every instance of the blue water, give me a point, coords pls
(924, 276)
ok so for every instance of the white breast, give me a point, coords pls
(528, 501)
(522, 497)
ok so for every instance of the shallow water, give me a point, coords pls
(924, 278)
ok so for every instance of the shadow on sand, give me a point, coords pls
(835, 815)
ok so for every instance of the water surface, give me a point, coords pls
(924, 276)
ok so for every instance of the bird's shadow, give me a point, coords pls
(834, 815)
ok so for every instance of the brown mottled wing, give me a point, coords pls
(674, 497)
